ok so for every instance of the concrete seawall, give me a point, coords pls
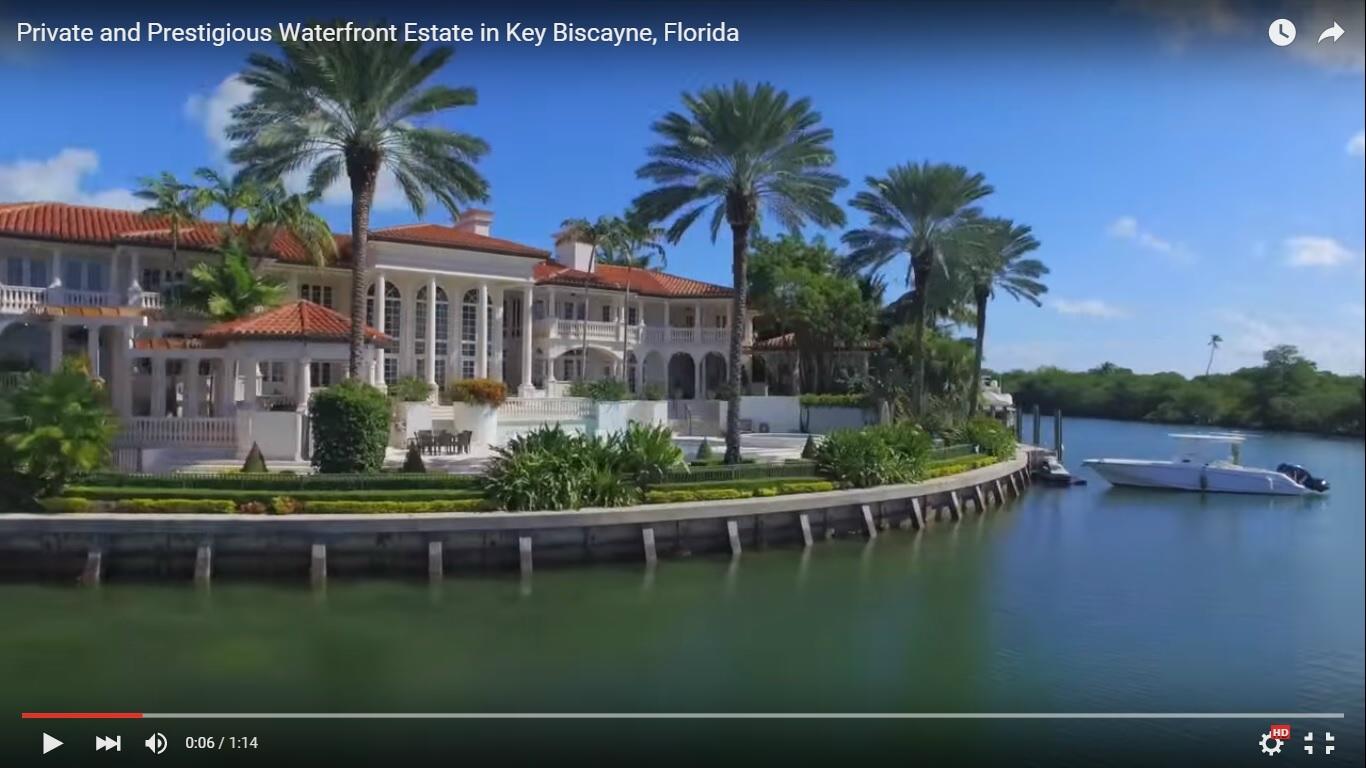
(92, 547)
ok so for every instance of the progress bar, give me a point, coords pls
(682, 715)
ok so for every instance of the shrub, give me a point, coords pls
(907, 440)
(279, 481)
(703, 451)
(809, 448)
(738, 491)
(834, 401)
(652, 392)
(412, 463)
(650, 453)
(174, 506)
(955, 466)
(600, 390)
(52, 427)
(411, 389)
(65, 505)
(390, 507)
(990, 436)
(285, 505)
(862, 458)
(350, 427)
(478, 391)
(256, 461)
(241, 496)
(253, 508)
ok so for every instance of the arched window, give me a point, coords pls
(443, 319)
(393, 323)
(469, 335)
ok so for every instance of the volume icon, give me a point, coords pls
(104, 743)
(156, 742)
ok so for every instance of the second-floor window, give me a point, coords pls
(318, 294)
(81, 275)
(606, 313)
(632, 316)
(27, 272)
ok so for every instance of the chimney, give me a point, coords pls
(573, 253)
(475, 220)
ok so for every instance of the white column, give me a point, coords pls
(134, 279)
(668, 321)
(121, 372)
(381, 285)
(701, 371)
(527, 388)
(158, 396)
(697, 323)
(92, 349)
(112, 279)
(56, 338)
(223, 381)
(194, 393)
(251, 381)
(54, 286)
(498, 342)
(304, 383)
(481, 335)
(430, 332)
(551, 312)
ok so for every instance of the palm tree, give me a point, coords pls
(740, 151)
(912, 211)
(336, 107)
(594, 234)
(275, 211)
(232, 194)
(995, 259)
(174, 200)
(1214, 341)
(229, 289)
(632, 243)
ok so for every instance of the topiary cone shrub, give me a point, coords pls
(350, 427)
(256, 461)
(809, 449)
(413, 461)
(703, 451)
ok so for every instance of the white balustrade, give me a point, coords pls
(545, 409)
(151, 300)
(715, 335)
(21, 298)
(72, 298)
(680, 335)
(143, 430)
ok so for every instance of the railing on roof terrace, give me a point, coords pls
(21, 298)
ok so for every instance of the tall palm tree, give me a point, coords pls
(335, 107)
(594, 234)
(1214, 341)
(229, 289)
(912, 211)
(738, 151)
(633, 244)
(174, 200)
(232, 194)
(996, 259)
(274, 211)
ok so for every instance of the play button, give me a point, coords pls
(50, 743)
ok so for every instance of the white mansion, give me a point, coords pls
(85, 281)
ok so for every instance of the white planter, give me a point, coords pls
(782, 413)
(480, 420)
(279, 434)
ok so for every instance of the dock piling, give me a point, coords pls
(867, 511)
(93, 572)
(805, 521)
(524, 554)
(955, 506)
(1057, 433)
(1037, 425)
(203, 564)
(733, 533)
(436, 560)
(917, 514)
(317, 568)
(979, 499)
(647, 540)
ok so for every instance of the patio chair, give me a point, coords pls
(462, 444)
(445, 441)
(425, 443)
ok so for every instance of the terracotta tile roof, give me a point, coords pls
(207, 236)
(296, 320)
(452, 237)
(642, 281)
(788, 342)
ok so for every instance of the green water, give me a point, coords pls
(1083, 600)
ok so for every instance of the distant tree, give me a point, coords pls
(740, 151)
(912, 211)
(1214, 341)
(273, 212)
(227, 192)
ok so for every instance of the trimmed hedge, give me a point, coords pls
(63, 505)
(708, 473)
(661, 496)
(416, 494)
(955, 466)
(835, 401)
(750, 483)
(144, 506)
(390, 507)
(350, 427)
(281, 481)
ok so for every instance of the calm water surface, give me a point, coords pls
(1083, 600)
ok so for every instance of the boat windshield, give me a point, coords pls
(1205, 448)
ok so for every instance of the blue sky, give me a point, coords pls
(1185, 176)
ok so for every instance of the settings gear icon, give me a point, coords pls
(1270, 746)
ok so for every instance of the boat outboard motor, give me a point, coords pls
(1301, 475)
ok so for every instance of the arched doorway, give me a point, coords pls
(653, 373)
(713, 375)
(682, 377)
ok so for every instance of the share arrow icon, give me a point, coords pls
(1332, 33)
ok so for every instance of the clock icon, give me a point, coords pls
(1281, 32)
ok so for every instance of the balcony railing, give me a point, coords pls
(142, 430)
(545, 409)
(610, 331)
(22, 298)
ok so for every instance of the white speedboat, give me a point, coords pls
(1208, 462)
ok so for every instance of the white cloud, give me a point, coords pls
(213, 111)
(1127, 228)
(1086, 308)
(1312, 251)
(1356, 146)
(1334, 345)
(61, 178)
